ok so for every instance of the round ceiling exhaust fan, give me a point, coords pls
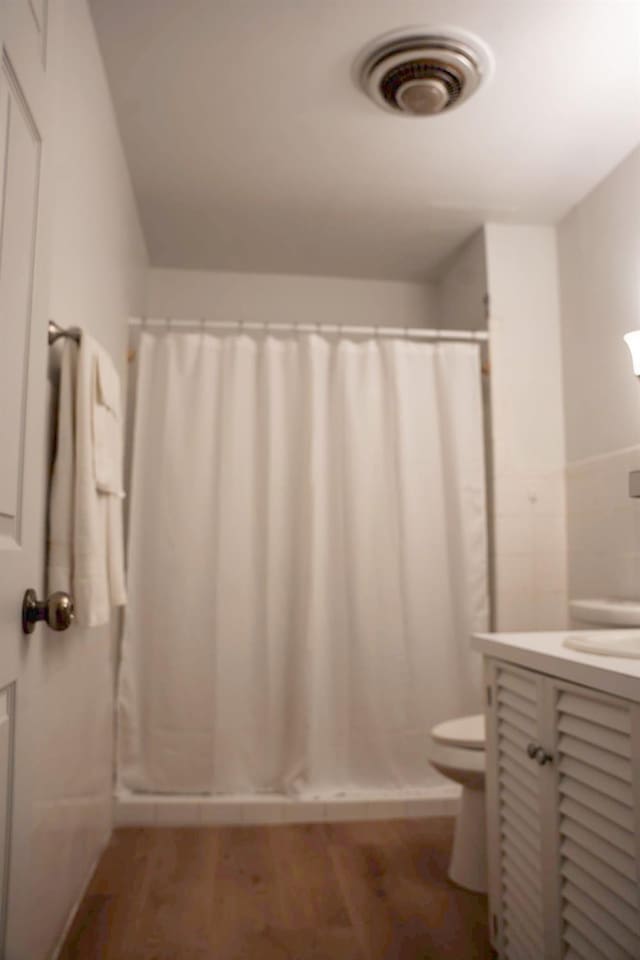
(422, 72)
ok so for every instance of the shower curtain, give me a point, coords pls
(307, 560)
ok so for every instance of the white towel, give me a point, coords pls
(60, 547)
(86, 555)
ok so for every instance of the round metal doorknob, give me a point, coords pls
(56, 610)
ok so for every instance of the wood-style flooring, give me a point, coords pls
(344, 891)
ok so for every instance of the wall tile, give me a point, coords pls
(386, 810)
(549, 533)
(442, 807)
(264, 812)
(527, 424)
(303, 812)
(440, 800)
(218, 813)
(178, 813)
(549, 572)
(551, 610)
(337, 811)
(603, 527)
(513, 534)
(134, 814)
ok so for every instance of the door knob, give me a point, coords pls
(56, 610)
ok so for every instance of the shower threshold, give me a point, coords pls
(180, 810)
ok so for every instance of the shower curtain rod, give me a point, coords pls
(252, 326)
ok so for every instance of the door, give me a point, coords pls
(518, 802)
(597, 795)
(563, 795)
(23, 347)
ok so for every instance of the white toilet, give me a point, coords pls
(458, 753)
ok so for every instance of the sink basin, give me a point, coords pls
(612, 643)
(606, 612)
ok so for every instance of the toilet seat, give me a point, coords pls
(464, 733)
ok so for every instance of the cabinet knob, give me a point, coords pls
(539, 754)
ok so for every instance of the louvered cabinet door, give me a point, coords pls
(515, 803)
(597, 784)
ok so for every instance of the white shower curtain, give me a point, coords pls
(307, 560)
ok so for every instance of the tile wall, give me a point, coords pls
(604, 527)
(529, 502)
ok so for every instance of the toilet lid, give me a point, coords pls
(467, 732)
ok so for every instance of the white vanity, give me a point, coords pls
(563, 798)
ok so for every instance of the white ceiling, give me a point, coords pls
(251, 148)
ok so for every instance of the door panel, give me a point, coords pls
(19, 184)
(7, 704)
(26, 23)
(598, 823)
(514, 803)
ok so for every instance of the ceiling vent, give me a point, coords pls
(421, 73)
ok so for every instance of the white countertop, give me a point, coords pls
(544, 651)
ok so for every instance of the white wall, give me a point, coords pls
(279, 298)
(98, 274)
(461, 288)
(599, 250)
(599, 255)
(528, 429)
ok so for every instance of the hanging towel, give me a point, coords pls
(60, 546)
(86, 555)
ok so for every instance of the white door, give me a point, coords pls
(597, 781)
(23, 379)
(519, 802)
(563, 795)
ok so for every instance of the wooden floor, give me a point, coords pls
(348, 891)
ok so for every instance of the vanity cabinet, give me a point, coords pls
(563, 801)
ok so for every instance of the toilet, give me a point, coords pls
(458, 752)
